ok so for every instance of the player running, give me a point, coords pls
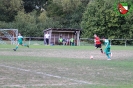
(20, 42)
(107, 48)
(97, 43)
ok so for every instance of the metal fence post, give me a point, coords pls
(29, 40)
(125, 43)
(110, 42)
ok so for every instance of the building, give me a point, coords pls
(66, 33)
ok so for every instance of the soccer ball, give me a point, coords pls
(91, 57)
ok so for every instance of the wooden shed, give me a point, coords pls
(67, 33)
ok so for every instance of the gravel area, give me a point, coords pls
(62, 53)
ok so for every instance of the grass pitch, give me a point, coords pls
(65, 67)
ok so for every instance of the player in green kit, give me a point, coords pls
(107, 48)
(20, 42)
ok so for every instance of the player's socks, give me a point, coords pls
(101, 50)
(16, 47)
(26, 45)
(108, 56)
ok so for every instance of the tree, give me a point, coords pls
(100, 18)
(44, 22)
(30, 5)
(9, 9)
(66, 12)
(26, 23)
(68, 5)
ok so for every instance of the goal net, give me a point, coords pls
(8, 36)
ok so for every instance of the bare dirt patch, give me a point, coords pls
(61, 53)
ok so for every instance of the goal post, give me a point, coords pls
(8, 35)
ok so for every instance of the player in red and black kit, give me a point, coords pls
(98, 43)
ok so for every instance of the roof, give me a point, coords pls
(7, 29)
(61, 29)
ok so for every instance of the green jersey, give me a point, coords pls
(20, 39)
(107, 43)
(71, 40)
(60, 39)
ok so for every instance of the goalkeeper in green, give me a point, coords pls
(107, 48)
(20, 42)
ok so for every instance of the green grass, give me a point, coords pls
(116, 73)
(108, 70)
(113, 47)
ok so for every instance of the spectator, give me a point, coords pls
(64, 41)
(67, 41)
(47, 38)
(60, 40)
(71, 41)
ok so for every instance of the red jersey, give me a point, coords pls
(97, 40)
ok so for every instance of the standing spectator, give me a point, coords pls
(47, 38)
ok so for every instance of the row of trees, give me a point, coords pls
(31, 17)
(101, 18)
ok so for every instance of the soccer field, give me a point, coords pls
(65, 67)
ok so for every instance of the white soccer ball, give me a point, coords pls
(91, 57)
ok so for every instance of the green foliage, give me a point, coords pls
(31, 25)
(68, 5)
(31, 17)
(26, 23)
(30, 5)
(5, 25)
(44, 22)
(100, 18)
(9, 9)
(67, 12)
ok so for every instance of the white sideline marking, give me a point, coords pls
(45, 74)
(33, 85)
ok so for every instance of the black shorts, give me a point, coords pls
(98, 45)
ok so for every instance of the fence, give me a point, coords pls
(124, 42)
(83, 41)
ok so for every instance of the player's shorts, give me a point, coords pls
(20, 43)
(98, 45)
(107, 50)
